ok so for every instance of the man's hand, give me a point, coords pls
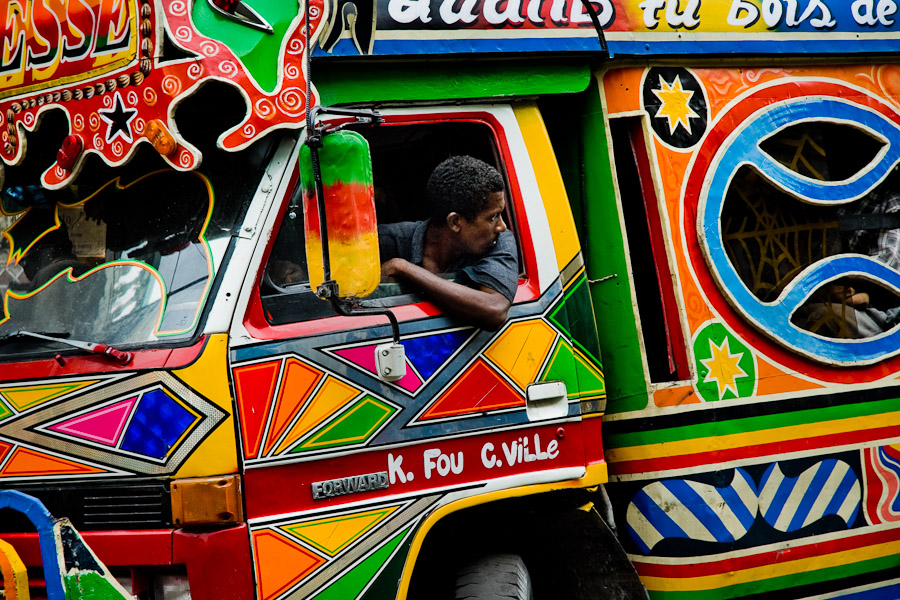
(845, 294)
(484, 307)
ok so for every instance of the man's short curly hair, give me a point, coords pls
(461, 184)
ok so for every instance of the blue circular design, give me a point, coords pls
(742, 149)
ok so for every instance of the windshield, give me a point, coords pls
(124, 256)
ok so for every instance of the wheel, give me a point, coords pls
(494, 577)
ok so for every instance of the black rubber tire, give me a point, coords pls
(494, 577)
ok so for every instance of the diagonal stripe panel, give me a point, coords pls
(298, 381)
(254, 386)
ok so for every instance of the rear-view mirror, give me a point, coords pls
(345, 165)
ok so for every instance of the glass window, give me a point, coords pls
(403, 157)
(124, 255)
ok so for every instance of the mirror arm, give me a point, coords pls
(329, 291)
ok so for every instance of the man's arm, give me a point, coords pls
(483, 307)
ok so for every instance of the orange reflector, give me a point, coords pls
(163, 141)
(207, 501)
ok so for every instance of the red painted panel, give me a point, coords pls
(473, 459)
(157, 358)
(218, 563)
(254, 386)
(478, 390)
(113, 548)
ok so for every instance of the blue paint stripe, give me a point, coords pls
(639, 541)
(657, 516)
(812, 493)
(700, 509)
(778, 500)
(736, 504)
(840, 494)
(345, 47)
(889, 592)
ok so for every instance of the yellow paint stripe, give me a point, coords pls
(780, 569)
(15, 575)
(754, 438)
(550, 183)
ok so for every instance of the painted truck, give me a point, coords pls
(698, 191)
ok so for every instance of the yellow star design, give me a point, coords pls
(675, 104)
(723, 368)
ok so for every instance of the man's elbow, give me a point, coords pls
(495, 317)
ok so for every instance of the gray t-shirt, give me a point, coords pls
(497, 270)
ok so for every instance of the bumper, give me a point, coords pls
(218, 563)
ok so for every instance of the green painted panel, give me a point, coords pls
(353, 582)
(4, 410)
(575, 315)
(90, 585)
(385, 586)
(713, 428)
(605, 256)
(354, 426)
(340, 83)
(562, 367)
(775, 584)
(258, 50)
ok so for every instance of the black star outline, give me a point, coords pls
(119, 120)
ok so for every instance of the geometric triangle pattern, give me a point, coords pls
(426, 355)
(521, 350)
(28, 463)
(103, 425)
(429, 352)
(150, 423)
(363, 358)
(280, 562)
(297, 382)
(159, 422)
(353, 582)
(574, 315)
(331, 397)
(478, 390)
(333, 534)
(254, 387)
(25, 397)
(561, 367)
(356, 425)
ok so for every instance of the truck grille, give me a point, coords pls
(96, 506)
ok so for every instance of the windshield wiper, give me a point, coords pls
(120, 357)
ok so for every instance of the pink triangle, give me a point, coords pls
(104, 425)
(364, 358)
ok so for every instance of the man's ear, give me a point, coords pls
(453, 221)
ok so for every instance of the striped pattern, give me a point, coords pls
(688, 509)
(882, 484)
(829, 487)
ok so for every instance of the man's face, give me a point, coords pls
(480, 234)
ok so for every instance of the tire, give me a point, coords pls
(494, 577)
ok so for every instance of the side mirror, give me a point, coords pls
(351, 230)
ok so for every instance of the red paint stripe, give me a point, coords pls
(667, 463)
(782, 555)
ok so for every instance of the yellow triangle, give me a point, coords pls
(336, 533)
(331, 397)
(521, 349)
(24, 397)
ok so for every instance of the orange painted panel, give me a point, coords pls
(331, 397)
(298, 381)
(25, 462)
(280, 563)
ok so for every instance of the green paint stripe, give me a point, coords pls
(354, 426)
(783, 582)
(751, 424)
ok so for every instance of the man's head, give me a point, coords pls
(467, 197)
(461, 184)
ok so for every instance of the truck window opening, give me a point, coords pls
(403, 157)
(657, 308)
